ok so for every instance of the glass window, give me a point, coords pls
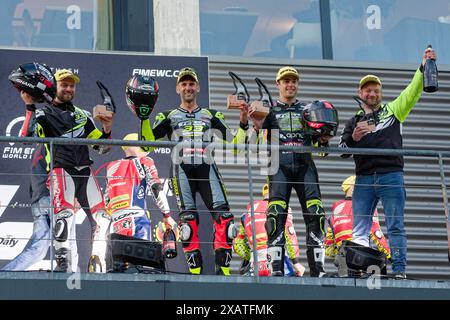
(389, 30)
(47, 23)
(263, 28)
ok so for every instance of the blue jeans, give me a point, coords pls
(37, 248)
(390, 189)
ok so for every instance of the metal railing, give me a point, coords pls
(247, 148)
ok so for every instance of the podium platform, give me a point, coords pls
(113, 286)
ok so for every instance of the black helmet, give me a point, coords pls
(35, 79)
(320, 118)
(141, 95)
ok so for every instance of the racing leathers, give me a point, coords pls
(71, 176)
(193, 170)
(129, 180)
(243, 243)
(340, 225)
(296, 170)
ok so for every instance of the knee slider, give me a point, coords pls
(185, 232)
(232, 231)
(188, 220)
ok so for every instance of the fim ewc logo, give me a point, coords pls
(16, 152)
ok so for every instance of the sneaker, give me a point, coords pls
(400, 276)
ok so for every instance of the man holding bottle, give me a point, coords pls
(378, 125)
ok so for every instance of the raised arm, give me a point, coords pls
(403, 104)
(218, 123)
(161, 128)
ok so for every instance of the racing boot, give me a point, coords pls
(275, 258)
(316, 258)
(315, 226)
(62, 258)
(194, 261)
(223, 259)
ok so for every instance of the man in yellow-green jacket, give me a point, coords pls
(378, 125)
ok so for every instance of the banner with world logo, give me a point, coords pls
(113, 70)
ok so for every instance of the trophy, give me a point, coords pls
(262, 106)
(240, 93)
(108, 108)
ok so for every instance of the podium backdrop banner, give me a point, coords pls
(113, 70)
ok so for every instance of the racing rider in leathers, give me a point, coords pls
(296, 170)
(129, 180)
(340, 225)
(196, 172)
(243, 243)
(71, 175)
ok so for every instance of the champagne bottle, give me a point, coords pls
(169, 248)
(430, 75)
